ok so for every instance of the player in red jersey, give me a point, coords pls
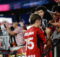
(33, 36)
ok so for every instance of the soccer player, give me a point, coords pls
(33, 36)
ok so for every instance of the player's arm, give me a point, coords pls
(11, 32)
(55, 23)
(47, 42)
(42, 36)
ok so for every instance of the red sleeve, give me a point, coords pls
(42, 36)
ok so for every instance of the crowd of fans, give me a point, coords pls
(43, 28)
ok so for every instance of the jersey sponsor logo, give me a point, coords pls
(30, 33)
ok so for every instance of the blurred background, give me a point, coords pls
(19, 11)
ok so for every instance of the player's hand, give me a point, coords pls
(49, 44)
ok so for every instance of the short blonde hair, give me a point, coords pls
(34, 17)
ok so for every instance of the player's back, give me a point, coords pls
(31, 42)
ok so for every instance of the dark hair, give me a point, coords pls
(12, 28)
(56, 8)
(41, 8)
(34, 17)
(47, 15)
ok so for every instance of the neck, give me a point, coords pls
(42, 17)
(35, 25)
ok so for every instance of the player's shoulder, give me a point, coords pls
(32, 29)
(40, 30)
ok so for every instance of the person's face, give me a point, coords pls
(38, 22)
(21, 23)
(41, 13)
(14, 25)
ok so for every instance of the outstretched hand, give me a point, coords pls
(49, 44)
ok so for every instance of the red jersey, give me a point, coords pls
(31, 36)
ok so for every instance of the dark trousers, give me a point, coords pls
(57, 44)
(12, 39)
